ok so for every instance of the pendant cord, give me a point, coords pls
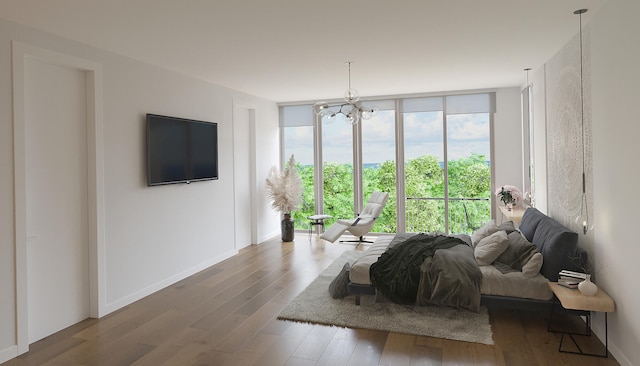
(584, 209)
(584, 188)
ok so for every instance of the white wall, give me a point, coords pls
(615, 56)
(154, 235)
(539, 139)
(507, 139)
(7, 247)
(616, 127)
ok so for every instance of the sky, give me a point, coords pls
(467, 133)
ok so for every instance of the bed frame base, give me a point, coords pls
(490, 301)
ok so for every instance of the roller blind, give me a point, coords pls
(382, 105)
(430, 104)
(296, 116)
(302, 115)
(471, 103)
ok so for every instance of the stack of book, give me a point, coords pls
(570, 279)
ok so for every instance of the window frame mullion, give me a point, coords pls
(358, 194)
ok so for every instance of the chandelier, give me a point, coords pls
(351, 109)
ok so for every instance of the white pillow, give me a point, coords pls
(489, 248)
(486, 230)
(532, 267)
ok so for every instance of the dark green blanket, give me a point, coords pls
(429, 269)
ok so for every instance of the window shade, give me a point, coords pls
(413, 105)
(296, 115)
(382, 105)
(471, 103)
(302, 115)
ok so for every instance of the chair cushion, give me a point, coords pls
(376, 203)
(335, 231)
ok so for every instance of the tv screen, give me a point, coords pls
(180, 150)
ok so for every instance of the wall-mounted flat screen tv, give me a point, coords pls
(180, 150)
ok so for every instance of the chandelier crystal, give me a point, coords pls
(351, 109)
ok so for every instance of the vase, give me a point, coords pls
(286, 228)
(587, 287)
(509, 205)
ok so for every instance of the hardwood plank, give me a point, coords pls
(426, 356)
(44, 354)
(338, 352)
(369, 348)
(187, 355)
(398, 349)
(300, 362)
(315, 343)
(289, 341)
(236, 338)
(252, 350)
(459, 353)
(172, 349)
(484, 355)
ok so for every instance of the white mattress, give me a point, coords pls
(514, 284)
(494, 282)
(359, 271)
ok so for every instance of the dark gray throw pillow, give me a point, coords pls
(338, 287)
(517, 254)
(507, 226)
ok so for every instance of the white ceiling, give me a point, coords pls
(295, 50)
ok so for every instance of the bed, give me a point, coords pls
(515, 273)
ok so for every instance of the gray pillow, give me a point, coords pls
(490, 248)
(518, 253)
(507, 226)
(338, 287)
(533, 266)
(486, 230)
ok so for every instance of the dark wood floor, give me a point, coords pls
(226, 315)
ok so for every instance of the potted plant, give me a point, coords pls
(284, 190)
(509, 195)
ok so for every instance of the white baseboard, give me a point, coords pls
(268, 237)
(8, 354)
(597, 327)
(118, 304)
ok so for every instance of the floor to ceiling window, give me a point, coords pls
(443, 185)
(468, 126)
(423, 170)
(379, 162)
(297, 132)
(337, 167)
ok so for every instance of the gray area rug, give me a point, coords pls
(315, 305)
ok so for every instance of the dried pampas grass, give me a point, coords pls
(284, 189)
